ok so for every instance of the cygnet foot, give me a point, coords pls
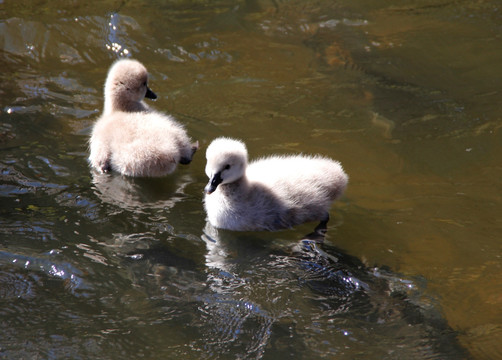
(185, 160)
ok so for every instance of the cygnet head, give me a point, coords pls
(226, 162)
(126, 86)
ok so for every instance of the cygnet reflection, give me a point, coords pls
(140, 193)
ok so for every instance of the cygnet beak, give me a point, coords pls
(213, 183)
(150, 94)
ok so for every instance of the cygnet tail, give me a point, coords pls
(339, 184)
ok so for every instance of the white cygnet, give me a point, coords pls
(130, 137)
(271, 193)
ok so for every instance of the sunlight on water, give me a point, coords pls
(404, 94)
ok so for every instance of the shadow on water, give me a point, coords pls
(373, 296)
(244, 304)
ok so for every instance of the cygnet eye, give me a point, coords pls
(123, 84)
(144, 84)
(227, 167)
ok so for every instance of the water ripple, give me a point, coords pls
(16, 285)
(237, 325)
(71, 276)
(210, 50)
(118, 40)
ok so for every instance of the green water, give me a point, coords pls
(405, 94)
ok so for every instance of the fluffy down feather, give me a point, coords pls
(130, 137)
(271, 193)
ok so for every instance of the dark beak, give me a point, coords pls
(150, 94)
(213, 183)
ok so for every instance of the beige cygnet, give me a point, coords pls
(130, 137)
(272, 193)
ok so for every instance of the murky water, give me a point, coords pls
(405, 94)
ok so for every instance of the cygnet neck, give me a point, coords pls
(117, 103)
(240, 185)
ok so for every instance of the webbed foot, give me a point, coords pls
(186, 160)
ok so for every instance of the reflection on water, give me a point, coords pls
(405, 95)
(137, 194)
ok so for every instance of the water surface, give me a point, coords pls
(404, 94)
